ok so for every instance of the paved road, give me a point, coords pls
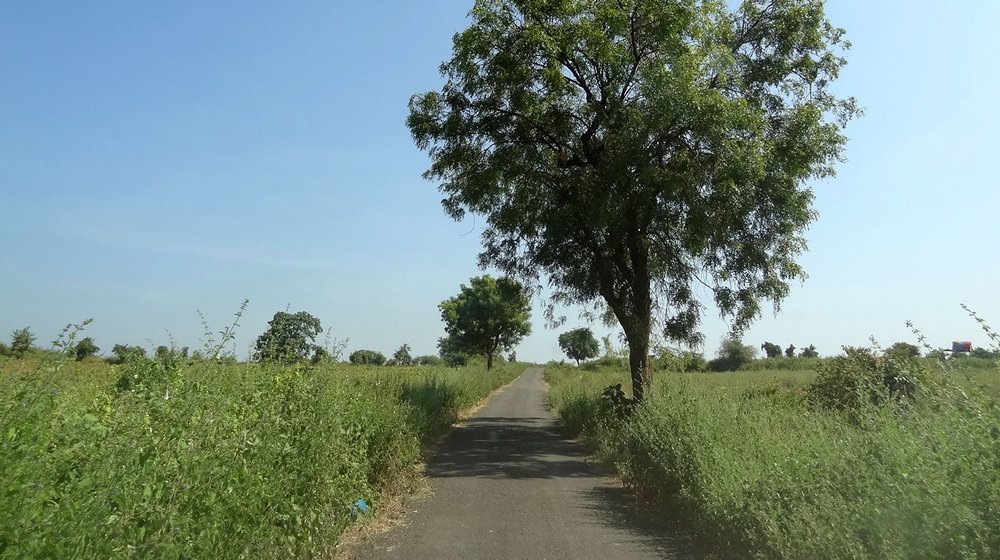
(508, 484)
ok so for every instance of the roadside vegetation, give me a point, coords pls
(872, 454)
(182, 456)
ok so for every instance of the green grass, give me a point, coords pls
(756, 472)
(208, 460)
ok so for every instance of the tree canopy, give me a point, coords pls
(771, 349)
(289, 338)
(579, 344)
(487, 316)
(631, 149)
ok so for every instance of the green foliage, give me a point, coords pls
(755, 472)
(428, 361)
(862, 378)
(733, 355)
(579, 344)
(21, 342)
(985, 354)
(790, 351)
(630, 150)
(772, 350)
(85, 348)
(124, 353)
(402, 357)
(904, 350)
(4, 349)
(809, 352)
(240, 461)
(667, 359)
(487, 316)
(289, 338)
(367, 357)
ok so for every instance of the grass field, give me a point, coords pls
(756, 470)
(210, 461)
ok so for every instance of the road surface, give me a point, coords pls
(508, 485)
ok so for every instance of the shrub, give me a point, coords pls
(124, 353)
(85, 348)
(428, 361)
(862, 378)
(367, 357)
(733, 355)
(20, 342)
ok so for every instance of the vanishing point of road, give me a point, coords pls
(509, 484)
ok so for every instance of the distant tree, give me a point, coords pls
(809, 352)
(428, 361)
(772, 350)
(4, 349)
(579, 344)
(512, 357)
(367, 357)
(631, 150)
(402, 357)
(984, 353)
(790, 351)
(289, 338)
(20, 342)
(733, 355)
(162, 353)
(904, 350)
(85, 348)
(124, 353)
(487, 316)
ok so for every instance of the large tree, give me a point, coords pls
(289, 338)
(487, 316)
(632, 149)
(579, 344)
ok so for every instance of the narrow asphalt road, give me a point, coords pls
(509, 484)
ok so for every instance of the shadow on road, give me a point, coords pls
(615, 506)
(499, 447)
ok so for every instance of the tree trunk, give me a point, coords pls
(638, 363)
(489, 361)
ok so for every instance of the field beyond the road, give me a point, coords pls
(755, 467)
(204, 460)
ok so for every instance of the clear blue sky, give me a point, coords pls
(162, 158)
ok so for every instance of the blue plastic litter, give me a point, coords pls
(359, 506)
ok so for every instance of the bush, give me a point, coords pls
(20, 342)
(367, 357)
(862, 378)
(428, 361)
(732, 355)
(124, 353)
(85, 348)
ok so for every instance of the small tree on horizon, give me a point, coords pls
(790, 351)
(289, 338)
(487, 316)
(772, 350)
(579, 344)
(21, 342)
(402, 357)
(85, 348)
(809, 352)
(367, 357)
(732, 355)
